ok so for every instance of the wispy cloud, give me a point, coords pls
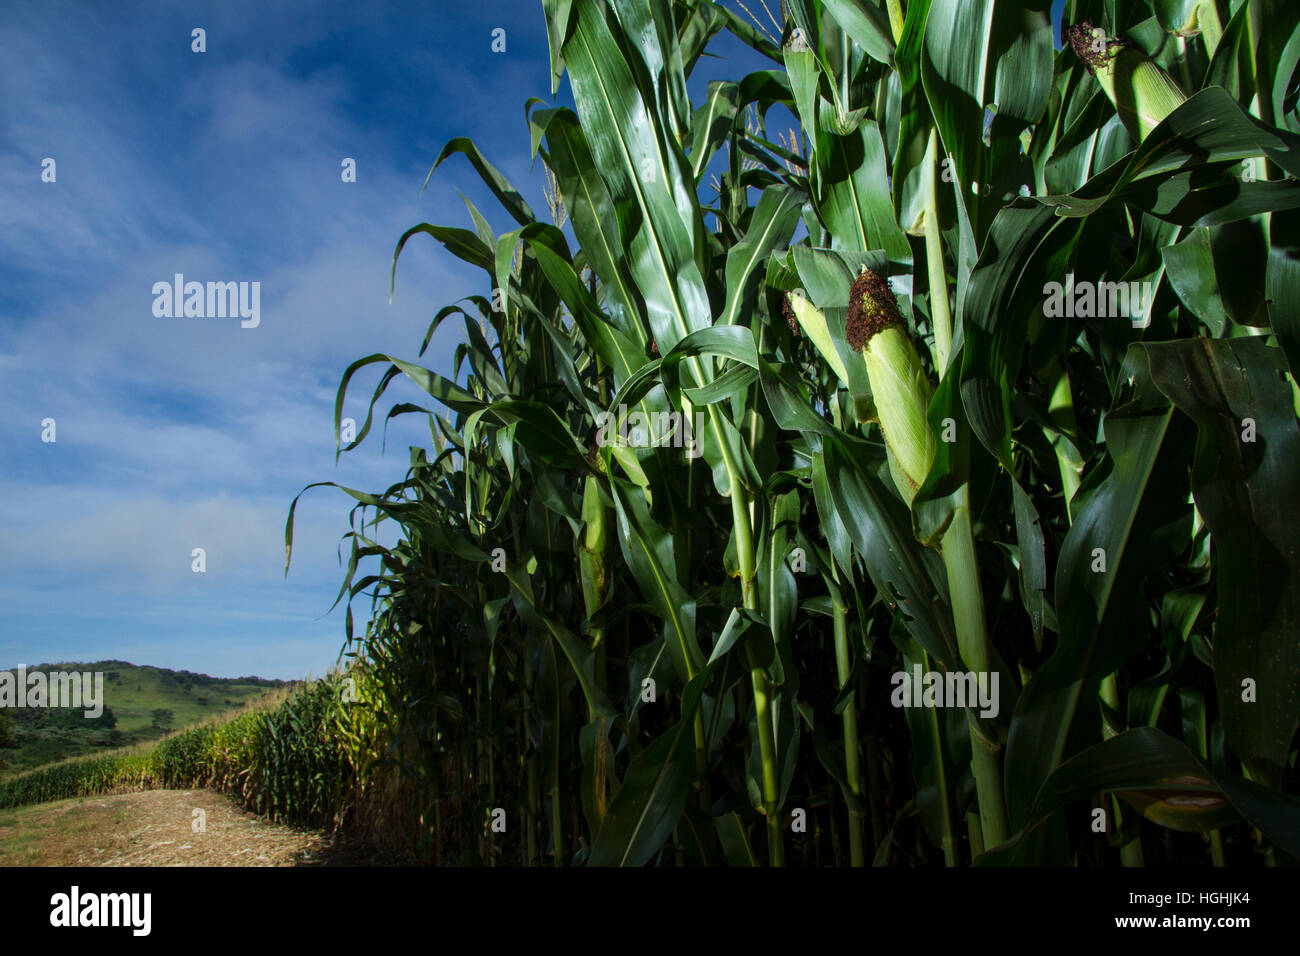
(176, 433)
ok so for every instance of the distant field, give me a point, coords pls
(141, 703)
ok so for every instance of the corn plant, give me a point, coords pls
(985, 372)
(284, 759)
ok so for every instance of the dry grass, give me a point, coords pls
(154, 828)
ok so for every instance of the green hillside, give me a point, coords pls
(141, 704)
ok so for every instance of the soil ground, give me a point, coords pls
(154, 828)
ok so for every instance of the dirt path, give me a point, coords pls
(156, 828)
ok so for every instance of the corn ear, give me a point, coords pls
(592, 550)
(803, 314)
(900, 387)
(1142, 92)
(901, 390)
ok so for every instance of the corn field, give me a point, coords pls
(919, 486)
(286, 762)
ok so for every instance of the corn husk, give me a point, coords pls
(1142, 92)
(900, 387)
(813, 322)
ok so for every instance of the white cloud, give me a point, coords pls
(183, 433)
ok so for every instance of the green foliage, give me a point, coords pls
(286, 762)
(650, 657)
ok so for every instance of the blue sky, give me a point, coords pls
(182, 433)
(176, 433)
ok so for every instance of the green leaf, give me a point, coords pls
(1244, 478)
(459, 242)
(597, 221)
(931, 768)
(540, 430)
(558, 20)
(653, 793)
(981, 54)
(629, 147)
(1167, 781)
(770, 227)
(444, 390)
(625, 355)
(580, 657)
(648, 28)
(909, 577)
(500, 186)
(735, 841)
(729, 341)
(909, 182)
(1026, 247)
(1097, 583)
(1282, 285)
(867, 24)
(851, 194)
(1209, 130)
(712, 123)
(1190, 266)
(648, 548)
(1181, 17)
(748, 629)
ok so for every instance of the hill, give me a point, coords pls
(141, 704)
